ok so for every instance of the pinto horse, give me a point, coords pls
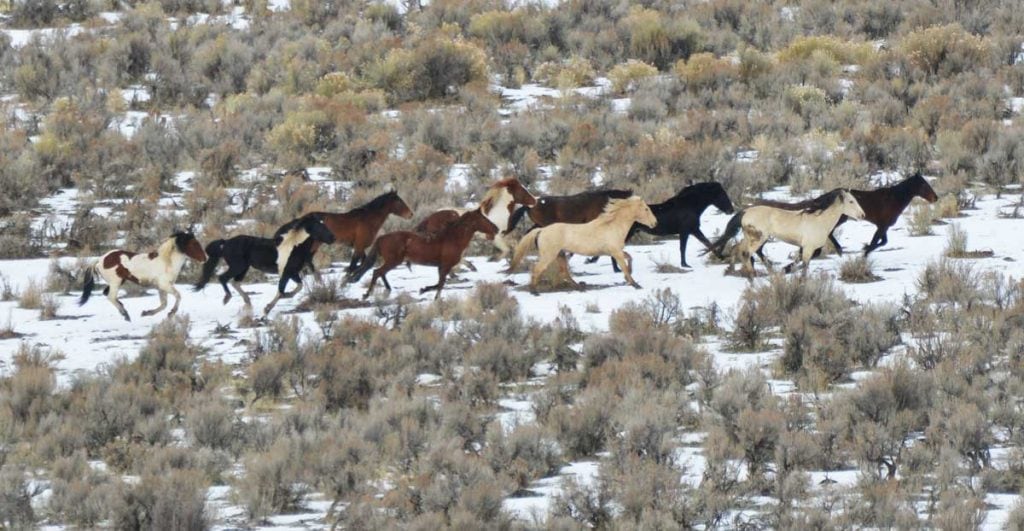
(359, 226)
(284, 254)
(806, 229)
(681, 215)
(605, 234)
(882, 207)
(497, 205)
(160, 267)
(578, 208)
(442, 249)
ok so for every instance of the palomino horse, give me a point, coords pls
(442, 249)
(578, 208)
(497, 205)
(284, 254)
(681, 215)
(807, 230)
(606, 234)
(881, 207)
(160, 267)
(359, 226)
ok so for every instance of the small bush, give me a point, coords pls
(31, 297)
(859, 269)
(626, 77)
(271, 482)
(921, 219)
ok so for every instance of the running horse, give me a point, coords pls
(442, 249)
(359, 226)
(681, 215)
(160, 267)
(807, 229)
(605, 234)
(577, 208)
(497, 205)
(284, 254)
(882, 207)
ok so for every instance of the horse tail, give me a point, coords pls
(368, 262)
(516, 216)
(731, 230)
(524, 245)
(88, 286)
(214, 251)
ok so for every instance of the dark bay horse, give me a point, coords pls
(681, 215)
(577, 208)
(442, 249)
(284, 254)
(882, 206)
(497, 204)
(160, 267)
(359, 226)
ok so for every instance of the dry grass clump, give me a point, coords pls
(956, 244)
(31, 297)
(858, 270)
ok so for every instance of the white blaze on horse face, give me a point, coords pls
(289, 242)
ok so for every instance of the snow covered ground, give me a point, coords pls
(95, 334)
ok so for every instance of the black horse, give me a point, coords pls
(681, 215)
(284, 254)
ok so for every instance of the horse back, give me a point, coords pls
(880, 206)
(578, 208)
(437, 221)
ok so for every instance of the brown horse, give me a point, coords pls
(498, 204)
(443, 249)
(881, 207)
(578, 208)
(359, 226)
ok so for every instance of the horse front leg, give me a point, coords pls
(563, 271)
(442, 273)
(162, 291)
(835, 243)
(880, 238)
(683, 238)
(502, 245)
(626, 264)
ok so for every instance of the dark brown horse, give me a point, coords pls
(578, 208)
(359, 226)
(882, 206)
(442, 249)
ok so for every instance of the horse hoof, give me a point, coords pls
(226, 299)
(147, 313)
(637, 286)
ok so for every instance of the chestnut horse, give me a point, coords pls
(497, 205)
(605, 234)
(882, 207)
(442, 249)
(160, 267)
(359, 226)
(578, 208)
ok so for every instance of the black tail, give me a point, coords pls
(87, 287)
(213, 253)
(516, 216)
(731, 230)
(368, 262)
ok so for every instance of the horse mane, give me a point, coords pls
(379, 201)
(615, 194)
(166, 249)
(615, 206)
(492, 195)
(823, 201)
(697, 188)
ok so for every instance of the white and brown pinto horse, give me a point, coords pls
(497, 206)
(807, 229)
(604, 235)
(159, 268)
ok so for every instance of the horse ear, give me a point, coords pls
(390, 187)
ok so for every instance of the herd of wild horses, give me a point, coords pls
(592, 223)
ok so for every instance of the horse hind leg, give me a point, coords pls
(111, 292)
(238, 287)
(625, 262)
(563, 272)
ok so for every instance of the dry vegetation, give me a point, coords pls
(825, 93)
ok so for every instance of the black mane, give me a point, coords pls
(181, 239)
(704, 189)
(379, 201)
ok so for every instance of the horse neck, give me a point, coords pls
(833, 212)
(461, 231)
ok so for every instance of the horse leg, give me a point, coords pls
(543, 261)
(625, 262)
(442, 273)
(357, 257)
(563, 271)
(177, 300)
(835, 243)
(880, 238)
(238, 287)
(502, 246)
(162, 291)
(683, 237)
(112, 295)
(381, 273)
(281, 284)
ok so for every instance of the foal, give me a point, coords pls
(285, 254)
(160, 267)
(442, 249)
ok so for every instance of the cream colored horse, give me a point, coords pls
(605, 235)
(807, 230)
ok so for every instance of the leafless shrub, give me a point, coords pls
(32, 296)
(524, 454)
(272, 479)
(858, 270)
(176, 500)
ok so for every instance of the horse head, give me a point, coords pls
(850, 206)
(481, 223)
(314, 225)
(397, 206)
(187, 244)
(922, 189)
(642, 213)
(721, 200)
(519, 192)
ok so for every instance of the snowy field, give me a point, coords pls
(94, 335)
